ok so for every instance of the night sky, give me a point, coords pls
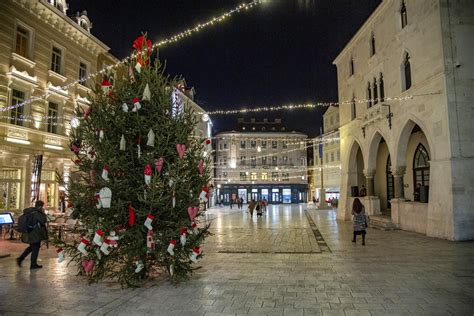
(277, 53)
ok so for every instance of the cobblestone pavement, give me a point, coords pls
(269, 266)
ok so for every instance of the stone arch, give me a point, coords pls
(399, 159)
(371, 158)
(352, 155)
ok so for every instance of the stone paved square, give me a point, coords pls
(268, 266)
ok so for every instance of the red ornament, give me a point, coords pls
(139, 46)
(131, 215)
(208, 141)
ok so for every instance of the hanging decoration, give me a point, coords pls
(123, 143)
(181, 148)
(149, 221)
(196, 252)
(159, 164)
(146, 93)
(171, 246)
(82, 246)
(147, 172)
(151, 138)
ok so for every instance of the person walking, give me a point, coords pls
(241, 202)
(35, 236)
(359, 220)
(231, 202)
(252, 206)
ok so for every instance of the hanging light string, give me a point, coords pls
(173, 39)
(302, 106)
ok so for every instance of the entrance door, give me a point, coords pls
(275, 197)
(390, 183)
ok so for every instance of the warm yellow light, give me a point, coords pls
(17, 140)
(53, 147)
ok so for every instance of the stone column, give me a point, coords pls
(369, 181)
(399, 187)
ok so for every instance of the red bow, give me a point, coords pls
(138, 44)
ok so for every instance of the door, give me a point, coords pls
(390, 183)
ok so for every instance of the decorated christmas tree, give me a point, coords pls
(141, 179)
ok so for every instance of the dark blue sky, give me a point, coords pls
(277, 53)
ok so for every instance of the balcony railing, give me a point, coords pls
(375, 113)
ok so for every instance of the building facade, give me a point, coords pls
(261, 161)
(327, 157)
(411, 144)
(42, 50)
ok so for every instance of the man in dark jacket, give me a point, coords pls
(34, 238)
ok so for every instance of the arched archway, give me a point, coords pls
(355, 169)
(377, 162)
(412, 138)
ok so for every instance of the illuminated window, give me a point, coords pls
(56, 57)
(253, 176)
(16, 114)
(22, 39)
(264, 176)
(274, 144)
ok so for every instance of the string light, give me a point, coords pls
(173, 39)
(300, 106)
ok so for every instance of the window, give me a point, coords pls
(407, 72)
(253, 176)
(264, 161)
(22, 39)
(52, 118)
(224, 174)
(220, 162)
(285, 159)
(274, 144)
(353, 108)
(242, 160)
(225, 161)
(285, 144)
(56, 60)
(242, 144)
(351, 67)
(82, 72)
(225, 145)
(382, 89)
(253, 144)
(264, 176)
(421, 167)
(403, 14)
(274, 160)
(285, 176)
(243, 176)
(16, 114)
(369, 95)
(220, 146)
(376, 98)
(253, 161)
(264, 144)
(372, 45)
(332, 156)
(274, 176)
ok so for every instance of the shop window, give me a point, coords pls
(10, 189)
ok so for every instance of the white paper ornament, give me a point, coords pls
(138, 67)
(125, 107)
(82, 246)
(123, 143)
(139, 151)
(101, 135)
(105, 195)
(147, 93)
(151, 138)
(98, 237)
(171, 270)
(105, 248)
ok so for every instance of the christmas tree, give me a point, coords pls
(141, 179)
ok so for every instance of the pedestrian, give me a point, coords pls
(35, 236)
(241, 202)
(359, 220)
(252, 206)
(231, 202)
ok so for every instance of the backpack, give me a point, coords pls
(26, 223)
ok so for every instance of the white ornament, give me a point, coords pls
(138, 67)
(147, 93)
(61, 257)
(194, 255)
(105, 248)
(182, 239)
(101, 135)
(125, 107)
(105, 195)
(82, 246)
(171, 270)
(148, 221)
(98, 237)
(171, 247)
(139, 151)
(123, 143)
(151, 138)
(139, 266)
(105, 173)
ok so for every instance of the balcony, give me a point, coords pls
(375, 113)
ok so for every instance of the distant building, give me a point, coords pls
(43, 49)
(330, 162)
(261, 160)
(415, 156)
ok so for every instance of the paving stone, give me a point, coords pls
(396, 273)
